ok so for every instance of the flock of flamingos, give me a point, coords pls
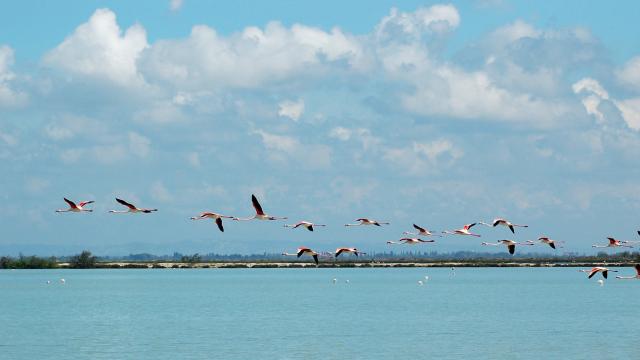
(421, 232)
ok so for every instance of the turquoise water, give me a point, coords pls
(491, 313)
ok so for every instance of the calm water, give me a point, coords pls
(516, 313)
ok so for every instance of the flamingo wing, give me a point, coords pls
(86, 203)
(339, 251)
(315, 258)
(71, 203)
(512, 249)
(130, 206)
(418, 228)
(256, 205)
(219, 223)
(553, 245)
(604, 273)
(637, 269)
(593, 272)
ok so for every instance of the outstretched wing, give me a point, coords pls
(315, 258)
(310, 227)
(419, 228)
(86, 203)
(604, 273)
(339, 251)
(512, 249)
(130, 206)
(71, 203)
(511, 228)
(593, 272)
(553, 245)
(256, 205)
(219, 223)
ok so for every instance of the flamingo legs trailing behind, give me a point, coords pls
(216, 217)
(73, 207)
(260, 215)
(510, 244)
(308, 225)
(132, 208)
(613, 243)
(597, 269)
(636, 276)
(421, 232)
(304, 251)
(410, 241)
(463, 231)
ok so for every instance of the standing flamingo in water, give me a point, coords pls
(132, 208)
(463, 231)
(511, 245)
(73, 207)
(365, 222)
(216, 217)
(637, 276)
(421, 232)
(260, 215)
(503, 222)
(304, 251)
(308, 225)
(613, 243)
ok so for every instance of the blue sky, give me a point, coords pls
(435, 113)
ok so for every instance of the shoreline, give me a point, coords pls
(299, 265)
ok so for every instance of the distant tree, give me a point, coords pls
(83, 260)
(195, 258)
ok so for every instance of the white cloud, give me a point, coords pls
(139, 145)
(340, 133)
(8, 139)
(594, 94)
(424, 157)
(8, 96)
(285, 149)
(252, 58)
(291, 109)
(175, 5)
(193, 158)
(159, 192)
(99, 49)
(629, 74)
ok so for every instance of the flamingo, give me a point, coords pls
(410, 241)
(463, 231)
(306, 224)
(421, 231)
(210, 215)
(132, 208)
(503, 222)
(354, 251)
(597, 269)
(260, 215)
(73, 207)
(511, 245)
(304, 251)
(637, 276)
(365, 221)
(613, 243)
(546, 240)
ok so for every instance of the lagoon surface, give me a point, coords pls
(491, 313)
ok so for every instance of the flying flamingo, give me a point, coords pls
(260, 215)
(210, 215)
(596, 269)
(546, 240)
(73, 207)
(637, 276)
(421, 232)
(132, 208)
(365, 221)
(304, 251)
(354, 251)
(306, 224)
(503, 222)
(410, 241)
(613, 243)
(511, 245)
(463, 231)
